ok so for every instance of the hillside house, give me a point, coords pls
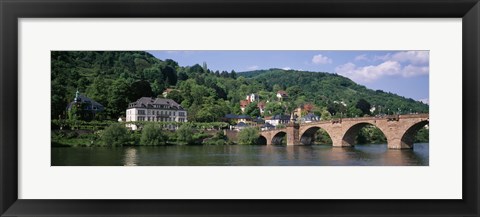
(281, 95)
(87, 108)
(155, 110)
(277, 119)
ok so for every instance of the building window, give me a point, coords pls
(141, 112)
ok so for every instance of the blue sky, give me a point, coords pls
(405, 73)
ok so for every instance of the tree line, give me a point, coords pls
(116, 78)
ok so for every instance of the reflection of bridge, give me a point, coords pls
(400, 130)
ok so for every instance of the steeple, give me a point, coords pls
(76, 96)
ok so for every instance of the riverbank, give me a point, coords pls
(99, 134)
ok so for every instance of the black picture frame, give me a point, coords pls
(12, 10)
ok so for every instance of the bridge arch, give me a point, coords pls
(279, 138)
(262, 140)
(409, 135)
(351, 133)
(308, 136)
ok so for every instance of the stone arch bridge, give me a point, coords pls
(399, 130)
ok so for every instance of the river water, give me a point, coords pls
(241, 155)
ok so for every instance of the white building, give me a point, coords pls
(252, 97)
(278, 119)
(156, 110)
(281, 94)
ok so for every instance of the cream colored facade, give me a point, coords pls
(157, 115)
(155, 110)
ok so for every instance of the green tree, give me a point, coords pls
(175, 95)
(152, 134)
(140, 89)
(157, 88)
(294, 91)
(248, 136)
(118, 98)
(74, 113)
(325, 115)
(422, 135)
(354, 112)
(185, 134)
(115, 135)
(98, 91)
(170, 75)
(274, 108)
(364, 106)
(252, 110)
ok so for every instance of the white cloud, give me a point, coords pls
(320, 59)
(403, 63)
(362, 57)
(287, 68)
(411, 70)
(373, 72)
(255, 67)
(412, 57)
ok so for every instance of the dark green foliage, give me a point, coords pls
(364, 106)
(323, 89)
(140, 89)
(422, 135)
(115, 79)
(218, 139)
(370, 135)
(248, 136)
(322, 137)
(252, 110)
(115, 135)
(185, 134)
(274, 109)
(105, 76)
(152, 134)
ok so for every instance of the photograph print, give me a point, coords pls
(240, 108)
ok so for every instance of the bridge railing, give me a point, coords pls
(388, 117)
(339, 120)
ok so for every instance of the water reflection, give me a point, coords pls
(238, 155)
(130, 157)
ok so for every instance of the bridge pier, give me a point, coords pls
(399, 144)
(340, 143)
(293, 134)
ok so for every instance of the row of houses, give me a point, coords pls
(238, 122)
(167, 110)
(253, 97)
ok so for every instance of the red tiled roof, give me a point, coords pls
(309, 107)
(282, 92)
(261, 104)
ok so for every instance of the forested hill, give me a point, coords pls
(115, 78)
(324, 88)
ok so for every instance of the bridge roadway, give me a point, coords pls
(400, 130)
